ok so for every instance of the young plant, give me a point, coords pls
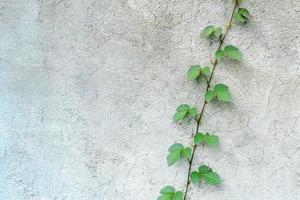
(219, 92)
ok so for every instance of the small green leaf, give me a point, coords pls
(183, 107)
(203, 169)
(165, 197)
(178, 195)
(233, 53)
(218, 32)
(195, 177)
(212, 32)
(211, 140)
(193, 112)
(205, 72)
(209, 95)
(194, 72)
(187, 153)
(167, 190)
(212, 178)
(244, 12)
(239, 18)
(175, 147)
(198, 138)
(242, 15)
(173, 157)
(208, 31)
(219, 54)
(169, 193)
(222, 92)
(179, 116)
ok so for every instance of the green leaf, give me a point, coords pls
(208, 31)
(242, 15)
(212, 178)
(222, 92)
(187, 153)
(212, 32)
(233, 53)
(218, 32)
(169, 193)
(198, 138)
(167, 190)
(173, 157)
(179, 116)
(193, 112)
(211, 140)
(165, 197)
(205, 72)
(203, 169)
(183, 107)
(239, 18)
(194, 72)
(178, 195)
(244, 12)
(219, 54)
(209, 95)
(195, 177)
(176, 147)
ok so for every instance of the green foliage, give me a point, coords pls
(196, 71)
(242, 15)
(220, 91)
(187, 153)
(206, 173)
(184, 111)
(169, 193)
(219, 54)
(208, 138)
(195, 177)
(176, 151)
(230, 52)
(212, 32)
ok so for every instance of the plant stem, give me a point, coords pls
(205, 102)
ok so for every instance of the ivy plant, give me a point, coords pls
(169, 193)
(176, 151)
(212, 32)
(242, 15)
(183, 111)
(229, 51)
(208, 138)
(196, 71)
(218, 92)
(206, 173)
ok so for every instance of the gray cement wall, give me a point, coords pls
(88, 89)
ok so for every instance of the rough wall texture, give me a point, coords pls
(88, 89)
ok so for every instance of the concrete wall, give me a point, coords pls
(88, 89)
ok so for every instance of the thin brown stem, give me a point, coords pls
(205, 102)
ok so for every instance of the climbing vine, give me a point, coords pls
(218, 92)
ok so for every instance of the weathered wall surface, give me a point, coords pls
(88, 89)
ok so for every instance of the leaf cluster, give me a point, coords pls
(208, 138)
(230, 52)
(220, 92)
(212, 32)
(206, 173)
(169, 193)
(242, 15)
(184, 111)
(176, 151)
(196, 71)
